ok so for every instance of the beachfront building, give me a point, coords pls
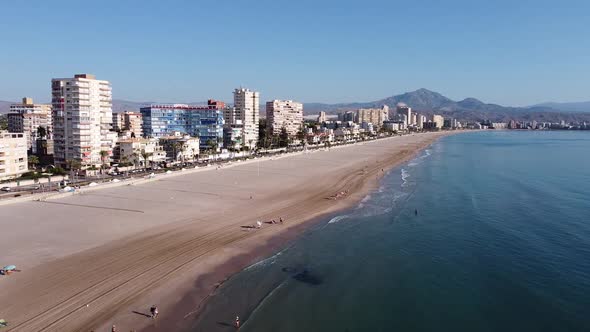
(205, 122)
(406, 110)
(286, 114)
(27, 117)
(82, 120)
(375, 116)
(181, 147)
(342, 134)
(245, 113)
(232, 136)
(421, 120)
(138, 151)
(13, 155)
(438, 121)
(128, 124)
(347, 116)
(117, 124)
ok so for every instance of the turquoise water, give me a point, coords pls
(501, 242)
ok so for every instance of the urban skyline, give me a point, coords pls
(504, 54)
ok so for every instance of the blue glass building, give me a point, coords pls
(200, 121)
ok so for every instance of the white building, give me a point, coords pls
(246, 112)
(322, 117)
(27, 117)
(181, 148)
(82, 119)
(13, 155)
(421, 121)
(133, 150)
(405, 110)
(286, 114)
(438, 120)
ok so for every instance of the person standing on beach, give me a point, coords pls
(237, 322)
(154, 311)
(114, 329)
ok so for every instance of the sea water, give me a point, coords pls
(483, 231)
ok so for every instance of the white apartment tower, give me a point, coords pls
(286, 114)
(405, 110)
(13, 155)
(27, 117)
(82, 119)
(246, 112)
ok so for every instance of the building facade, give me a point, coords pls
(375, 116)
(27, 117)
(322, 117)
(406, 110)
(205, 122)
(128, 123)
(438, 121)
(13, 155)
(347, 116)
(135, 149)
(181, 148)
(246, 112)
(82, 120)
(286, 114)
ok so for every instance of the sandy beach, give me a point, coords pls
(105, 256)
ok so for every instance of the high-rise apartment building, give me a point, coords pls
(375, 116)
(322, 117)
(286, 114)
(128, 122)
(347, 116)
(438, 121)
(246, 112)
(82, 120)
(407, 111)
(27, 117)
(13, 155)
(421, 121)
(205, 122)
(118, 122)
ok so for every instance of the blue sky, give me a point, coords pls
(508, 52)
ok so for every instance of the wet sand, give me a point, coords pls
(103, 257)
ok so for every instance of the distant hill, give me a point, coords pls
(583, 106)
(424, 101)
(470, 109)
(5, 106)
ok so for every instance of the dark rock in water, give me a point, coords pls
(289, 269)
(308, 278)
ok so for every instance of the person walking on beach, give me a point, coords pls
(114, 329)
(281, 220)
(237, 322)
(154, 311)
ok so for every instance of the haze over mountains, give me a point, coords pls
(429, 102)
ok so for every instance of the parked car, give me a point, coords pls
(7, 189)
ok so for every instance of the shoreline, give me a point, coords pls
(192, 302)
(173, 249)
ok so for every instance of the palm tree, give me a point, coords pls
(33, 160)
(135, 156)
(103, 156)
(193, 154)
(41, 132)
(213, 146)
(74, 165)
(145, 156)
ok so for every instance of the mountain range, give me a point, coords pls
(429, 102)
